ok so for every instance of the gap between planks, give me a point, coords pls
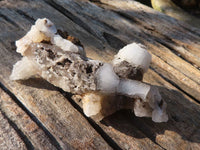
(33, 117)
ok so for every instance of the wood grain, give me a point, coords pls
(9, 139)
(103, 27)
(32, 135)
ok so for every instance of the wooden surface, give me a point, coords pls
(36, 115)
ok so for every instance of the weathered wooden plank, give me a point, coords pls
(33, 136)
(9, 138)
(164, 25)
(148, 21)
(180, 107)
(21, 23)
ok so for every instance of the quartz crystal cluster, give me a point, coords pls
(104, 87)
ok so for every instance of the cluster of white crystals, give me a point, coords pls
(106, 87)
(134, 54)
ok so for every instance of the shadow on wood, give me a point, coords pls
(178, 132)
(38, 83)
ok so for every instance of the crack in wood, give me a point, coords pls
(105, 25)
(127, 17)
(29, 18)
(71, 16)
(53, 140)
(191, 30)
(175, 85)
(24, 138)
(113, 41)
(9, 20)
(174, 51)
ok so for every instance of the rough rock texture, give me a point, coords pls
(66, 70)
(126, 70)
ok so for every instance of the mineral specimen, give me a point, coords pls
(104, 87)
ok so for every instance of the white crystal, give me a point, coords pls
(24, 69)
(159, 114)
(133, 88)
(91, 104)
(45, 30)
(107, 80)
(135, 54)
(46, 26)
(64, 44)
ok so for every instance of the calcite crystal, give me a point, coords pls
(104, 87)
